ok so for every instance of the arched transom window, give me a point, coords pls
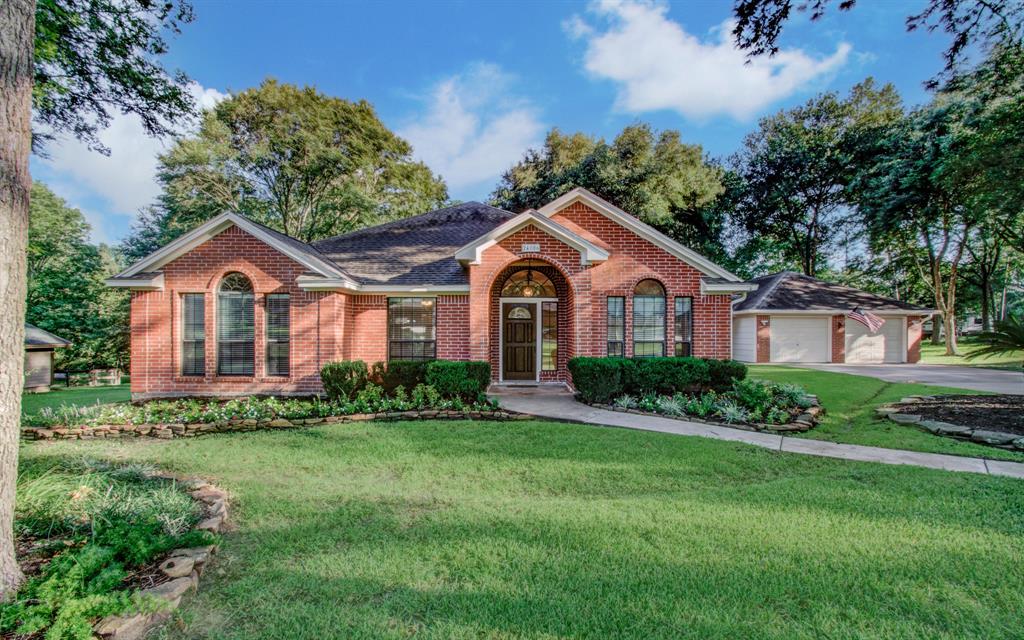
(528, 283)
(648, 319)
(236, 326)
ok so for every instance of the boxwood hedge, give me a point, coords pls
(602, 379)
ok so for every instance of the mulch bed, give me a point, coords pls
(994, 413)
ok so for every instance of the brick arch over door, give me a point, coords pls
(566, 316)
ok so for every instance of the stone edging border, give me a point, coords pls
(170, 431)
(999, 439)
(803, 422)
(183, 566)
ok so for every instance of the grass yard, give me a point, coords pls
(936, 354)
(31, 403)
(850, 403)
(548, 530)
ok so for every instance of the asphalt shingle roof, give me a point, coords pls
(36, 337)
(789, 290)
(416, 250)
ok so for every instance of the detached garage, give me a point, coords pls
(39, 346)
(796, 318)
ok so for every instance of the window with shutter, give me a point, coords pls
(193, 334)
(236, 327)
(684, 327)
(549, 336)
(278, 333)
(648, 319)
(411, 329)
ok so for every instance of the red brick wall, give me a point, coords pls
(914, 330)
(631, 260)
(838, 339)
(764, 338)
(453, 327)
(156, 322)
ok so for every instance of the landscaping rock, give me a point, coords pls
(173, 590)
(211, 524)
(885, 410)
(178, 567)
(905, 418)
(910, 400)
(209, 494)
(993, 437)
(129, 627)
(945, 428)
(280, 422)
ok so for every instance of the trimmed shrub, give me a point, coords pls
(665, 375)
(597, 379)
(344, 379)
(399, 373)
(723, 373)
(459, 378)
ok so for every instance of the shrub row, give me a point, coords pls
(467, 380)
(601, 379)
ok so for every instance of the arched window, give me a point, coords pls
(528, 283)
(236, 326)
(648, 319)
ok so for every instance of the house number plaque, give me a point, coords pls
(530, 248)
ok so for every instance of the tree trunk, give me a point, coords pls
(17, 24)
(937, 329)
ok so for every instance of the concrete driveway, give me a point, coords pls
(975, 378)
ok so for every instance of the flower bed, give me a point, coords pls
(992, 420)
(748, 404)
(92, 540)
(184, 418)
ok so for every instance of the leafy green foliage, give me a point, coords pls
(343, 379)
(601, 379)
(467, 380)
(94, 55)
(105, 520)
(1007, 338)
(66, 294)
(395, 373)
(654, 176)
(307, 164)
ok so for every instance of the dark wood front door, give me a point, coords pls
(519, 330)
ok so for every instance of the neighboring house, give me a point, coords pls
(235, 308)
(39, 346)
(796, 318)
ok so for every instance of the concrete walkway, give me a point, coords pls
(946, 375)
(557, 404)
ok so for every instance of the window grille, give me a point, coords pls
(616, 326)
(412, 329)
(236, 327)
(648, 319)
(278, 334)
(193, 334)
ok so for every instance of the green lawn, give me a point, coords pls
(547, 530)
(936, 354)
(31, 403)
(850, 403)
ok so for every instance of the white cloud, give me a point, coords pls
(473, 128)
(123, 181)
(658, 65)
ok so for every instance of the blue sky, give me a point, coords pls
(474, 84)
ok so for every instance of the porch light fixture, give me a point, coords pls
(528, 289)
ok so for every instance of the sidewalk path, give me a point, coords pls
(562, 406)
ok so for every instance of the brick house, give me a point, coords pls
(236, 308)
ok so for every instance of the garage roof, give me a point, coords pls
(791, 291)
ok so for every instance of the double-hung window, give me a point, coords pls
(549, 336)
(412, 333)
(193, 334)
(684, 327)
(616, 326)
(648, 319)
(278, 334)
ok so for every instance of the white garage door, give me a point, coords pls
(800, 339)
(744, 339)
(886, 345)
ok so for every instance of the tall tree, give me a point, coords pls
(797, 165)
(655, 176)
(909, 202)
(17, 23)
(759, 23)
(66, 294)
(307, 164)
(71, 59)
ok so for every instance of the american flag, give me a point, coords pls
(866, 318)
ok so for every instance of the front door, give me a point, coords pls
(519, 330)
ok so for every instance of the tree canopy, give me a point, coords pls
(307, 164)
(656, 176)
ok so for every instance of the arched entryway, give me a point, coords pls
(531, 320)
